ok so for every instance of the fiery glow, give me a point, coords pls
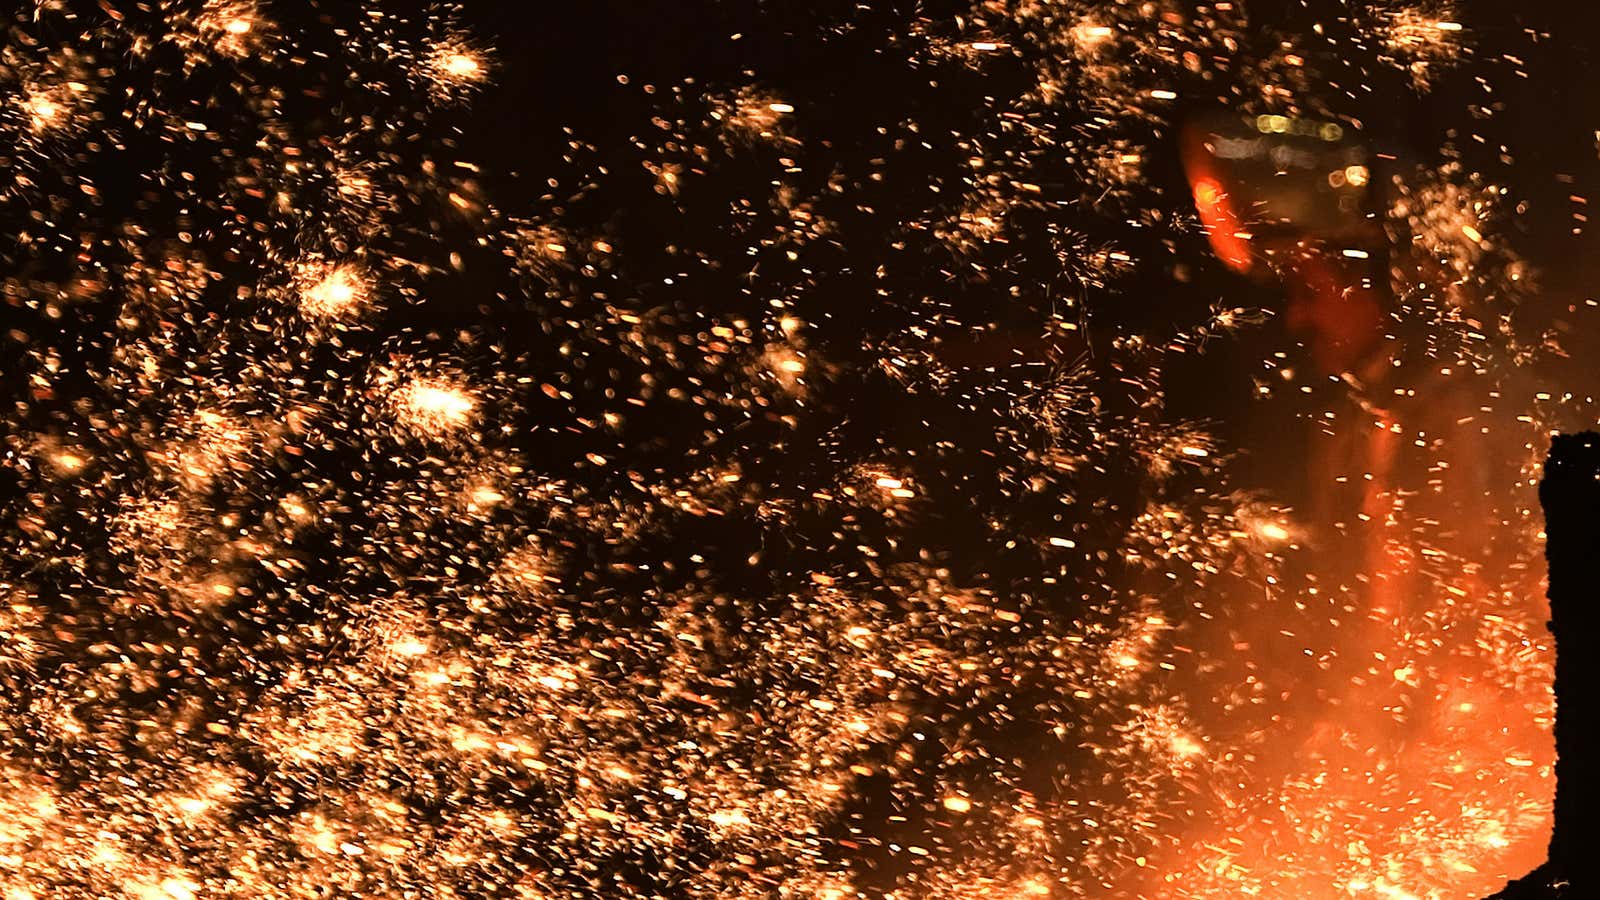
(231, 28)
(453, 68)
(332, 292)
(435, 408)
(1422, 40)
(460, 65)
(50, 109)
(44, 111)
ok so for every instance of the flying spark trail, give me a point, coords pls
(877, 477)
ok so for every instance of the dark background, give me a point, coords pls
(558, 66)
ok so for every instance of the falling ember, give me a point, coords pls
(1421, 41)
(752, 115)
(69, 462)
(231, 28)
(166, 889)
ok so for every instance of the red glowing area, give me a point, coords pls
(1394, 742)
(1223, 229)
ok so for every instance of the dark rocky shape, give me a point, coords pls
(1570, 494)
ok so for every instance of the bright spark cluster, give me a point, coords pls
(837, 532)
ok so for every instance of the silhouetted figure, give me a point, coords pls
(1570, 494)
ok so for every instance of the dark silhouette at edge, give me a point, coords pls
(1570, 494)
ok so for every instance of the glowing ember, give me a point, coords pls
(435, 408)
(231, 28)
(334, 292)
(453, 70)
(1091, 34)
(44, 111)
(461, 65)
